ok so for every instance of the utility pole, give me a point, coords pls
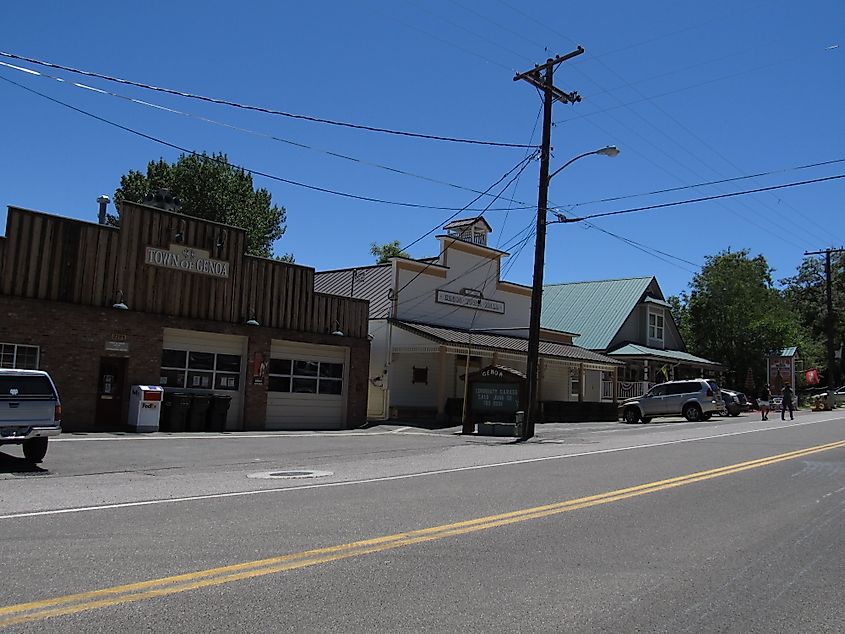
(542, 78)
(830, 321)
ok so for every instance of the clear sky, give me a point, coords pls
(690, 92)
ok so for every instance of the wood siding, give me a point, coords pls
(60, 259)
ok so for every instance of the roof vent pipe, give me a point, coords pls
(104, 202)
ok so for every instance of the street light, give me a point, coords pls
(533, 361)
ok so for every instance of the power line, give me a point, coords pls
(245, 169)
(716, 182)
(234, 104)
(702, 199)
(247, 130)
(522, 165)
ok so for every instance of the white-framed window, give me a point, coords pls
(200, 370)
(15, 356)
(655, 325)
(574, 382)
(305, 377)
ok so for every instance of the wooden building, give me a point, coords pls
(166, 299)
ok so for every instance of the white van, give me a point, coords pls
(30, 411)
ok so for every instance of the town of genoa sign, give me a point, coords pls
(187, 259)
(469, 301)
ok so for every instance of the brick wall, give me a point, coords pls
(72, 339)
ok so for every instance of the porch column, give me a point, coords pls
(615, 386)
(441, 383)
(581, 376)
(645, 370)
(541, 375)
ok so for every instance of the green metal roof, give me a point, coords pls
(636, 350)
(594, 310)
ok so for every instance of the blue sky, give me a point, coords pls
(689, 92)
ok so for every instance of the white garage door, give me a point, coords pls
(206, 363)
(306, 386)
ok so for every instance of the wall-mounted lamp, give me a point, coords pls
(119, 303)
(252, 321)
(220, 241)
(180, 232)
(337, 331)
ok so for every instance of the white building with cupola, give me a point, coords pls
(435, 321)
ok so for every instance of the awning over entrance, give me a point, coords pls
(504, 343)
(636, 351)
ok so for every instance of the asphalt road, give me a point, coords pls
(731, 525)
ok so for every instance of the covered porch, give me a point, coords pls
(429, 365)
(646, 367)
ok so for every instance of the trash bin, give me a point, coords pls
(198, 411)
(218, 411)
(175, 413)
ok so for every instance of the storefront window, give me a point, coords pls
(14, 356)
(201, 360)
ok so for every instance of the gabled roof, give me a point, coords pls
(370, 282)
(503, 343)
(636, 350)
(595, 310)
(467, 222)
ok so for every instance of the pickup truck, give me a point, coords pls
(30, 411)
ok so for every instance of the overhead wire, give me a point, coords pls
(696, 185)
(236, 128)
(255, 172)
(521, 165)
(271, 111)
(705, 198)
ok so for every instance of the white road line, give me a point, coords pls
(241, 436)
(409, 476)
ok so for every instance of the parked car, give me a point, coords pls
(733, 407)
(30, 411)
(838, 396)
(694, 399)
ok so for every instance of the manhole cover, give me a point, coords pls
(290, 474)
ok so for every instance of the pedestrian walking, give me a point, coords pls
(787, 403)
(763, 402)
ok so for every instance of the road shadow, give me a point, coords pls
(13, 464)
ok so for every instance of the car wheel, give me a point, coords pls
(706, 416)
(35, 449)
(646, 420)
(734, 413)
(692, 413)
(632, 416)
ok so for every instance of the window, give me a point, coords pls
(17, 357)
(655, 326)
(419, 375)
(574, 382)
(658, 390)
(305, 377)
(200, 370)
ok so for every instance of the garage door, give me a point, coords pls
(306, 386)
(206, 363)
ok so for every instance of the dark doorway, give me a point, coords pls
(111, 392)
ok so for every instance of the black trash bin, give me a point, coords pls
(198, 411)
(218, 411)
(174, 414)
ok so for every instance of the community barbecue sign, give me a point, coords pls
(187, 259)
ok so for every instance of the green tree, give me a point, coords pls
(806, 294)
(384, 252)
(210, 187)
(734, 315)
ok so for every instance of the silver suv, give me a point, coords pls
(694, 399)
(30, 411)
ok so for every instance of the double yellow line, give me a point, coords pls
(129, 593)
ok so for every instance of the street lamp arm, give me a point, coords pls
(610, 150)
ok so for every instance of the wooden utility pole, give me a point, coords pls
(542, 78)
(830, 321)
